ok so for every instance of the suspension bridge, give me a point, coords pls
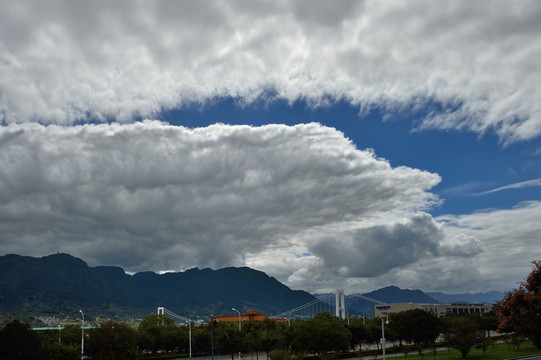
(333, 303)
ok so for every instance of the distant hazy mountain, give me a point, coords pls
(358, 304)
(477, 298)
(62, 284)
(390, 294)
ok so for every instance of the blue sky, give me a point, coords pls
(351, 146)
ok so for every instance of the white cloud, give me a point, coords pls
(150, 196)
(520, 185)
(461, 245)
(508, 238)
(61, 62)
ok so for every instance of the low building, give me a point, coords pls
(250, 315)
(436, 309)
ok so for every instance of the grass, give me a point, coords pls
(499, 352)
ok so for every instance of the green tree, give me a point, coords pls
(201, 339)
(488, 322)
(174, 338)
(112, 340)
(152, 332)
(253, 334)
(321, 334)
(19, 342)
(284, 333)
(416, 326)
(484, 343)
(463, 334)
(373, 331)
(274, 336)
(71, 335)
(358, 332)
(520, 310)
(227, 338)
(59, 351)
(266, 335)
(55, 349)
(399, 323)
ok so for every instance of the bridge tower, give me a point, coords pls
(340, 304)
(161, 310)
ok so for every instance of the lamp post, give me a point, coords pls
(190, 332)
(212, 335)
(239, 316)
(364, 316)
(82, 335)
(239, 324)
(383, 332)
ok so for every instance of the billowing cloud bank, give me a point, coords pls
(62, 62)
(150, 196)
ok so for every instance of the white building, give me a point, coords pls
(436, 309)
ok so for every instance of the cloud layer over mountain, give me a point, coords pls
(154, 196)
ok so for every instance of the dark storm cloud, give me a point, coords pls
(375, 250)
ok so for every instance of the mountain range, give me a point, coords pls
(466, 298)
(61, 284)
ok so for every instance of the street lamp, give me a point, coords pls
(239, 316)
(82, 335)
(364, 313)
(383, 332)
(239, 323)
(212, 335)
(347, 312)
(190, 331)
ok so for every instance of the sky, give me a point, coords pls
(333, 145)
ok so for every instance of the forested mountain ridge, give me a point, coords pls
(62, 284)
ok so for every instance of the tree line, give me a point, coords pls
(321, 334)
(518, 313)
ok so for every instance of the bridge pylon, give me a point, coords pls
(340, 303)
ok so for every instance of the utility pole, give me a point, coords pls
(212, 336)
(82, 336)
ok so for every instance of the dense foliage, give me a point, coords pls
(520, 309)
(18, 342)
(462, 333)
(323, 335)
(112, 340)
(320, 334)
(415, 326)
